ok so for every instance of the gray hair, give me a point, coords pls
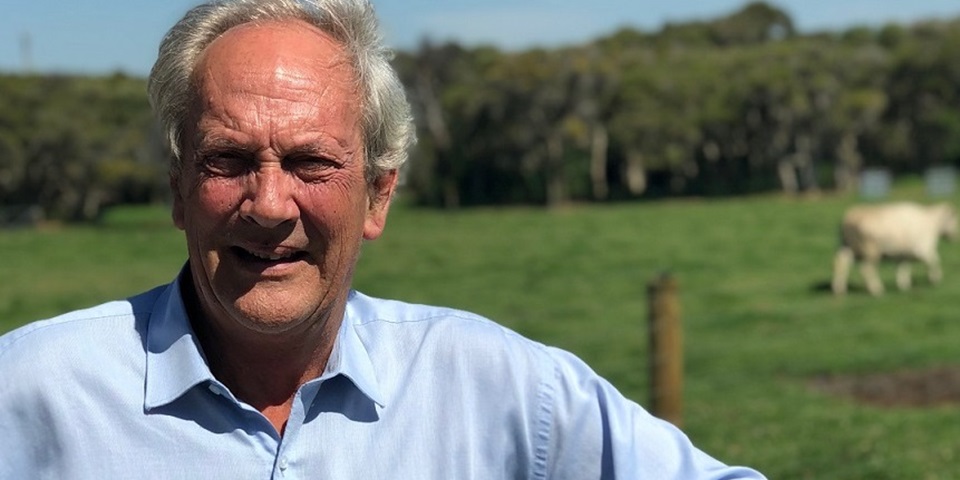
(386, 121)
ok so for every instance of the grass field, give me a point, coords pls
(759, 324)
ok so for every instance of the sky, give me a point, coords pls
(104, 36)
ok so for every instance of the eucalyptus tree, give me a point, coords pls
(426, 74)
(656, 126)
(924, 90)
(597, 99)
(75, 145)
(755, 23)
(853, 118)
(538, 88)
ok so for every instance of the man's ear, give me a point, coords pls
(381, 193)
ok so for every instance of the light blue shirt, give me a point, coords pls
(122, 390)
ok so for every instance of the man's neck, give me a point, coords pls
(263, 370)
(266, 375)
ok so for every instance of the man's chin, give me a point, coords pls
(270, 323)
(276, 314)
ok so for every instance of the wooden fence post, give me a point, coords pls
(666, 349)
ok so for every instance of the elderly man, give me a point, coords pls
(258, 361)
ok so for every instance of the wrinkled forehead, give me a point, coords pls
(275, 84)
(285, 49)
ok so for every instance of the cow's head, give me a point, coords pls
(949, 226)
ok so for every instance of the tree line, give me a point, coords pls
(739, 104)
(72, 146)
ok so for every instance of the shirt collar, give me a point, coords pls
(175, 360)
(350, 357)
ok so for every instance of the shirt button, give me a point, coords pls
(283, 463)
(215, 389)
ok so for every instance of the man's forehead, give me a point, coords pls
(286, 47)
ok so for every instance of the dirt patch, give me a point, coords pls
(907, 388)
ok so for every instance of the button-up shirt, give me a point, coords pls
(123, 390)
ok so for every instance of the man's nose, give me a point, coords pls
(269, 202)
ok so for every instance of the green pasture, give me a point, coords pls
(759, 321)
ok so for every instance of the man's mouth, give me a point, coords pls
(268, 258)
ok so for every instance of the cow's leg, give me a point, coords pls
(904, 275)
(868, 268)
(934, 272)
(842, 261)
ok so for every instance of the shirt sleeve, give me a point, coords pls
(590, 430)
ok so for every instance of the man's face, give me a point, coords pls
(272, 195)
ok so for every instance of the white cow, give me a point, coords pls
(901, 232)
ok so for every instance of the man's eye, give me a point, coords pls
(311, 167)
(227, 164)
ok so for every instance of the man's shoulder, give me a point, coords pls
(396, 328)
(370, 311)
(82, 331)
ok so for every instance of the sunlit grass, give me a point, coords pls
(759, 322)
